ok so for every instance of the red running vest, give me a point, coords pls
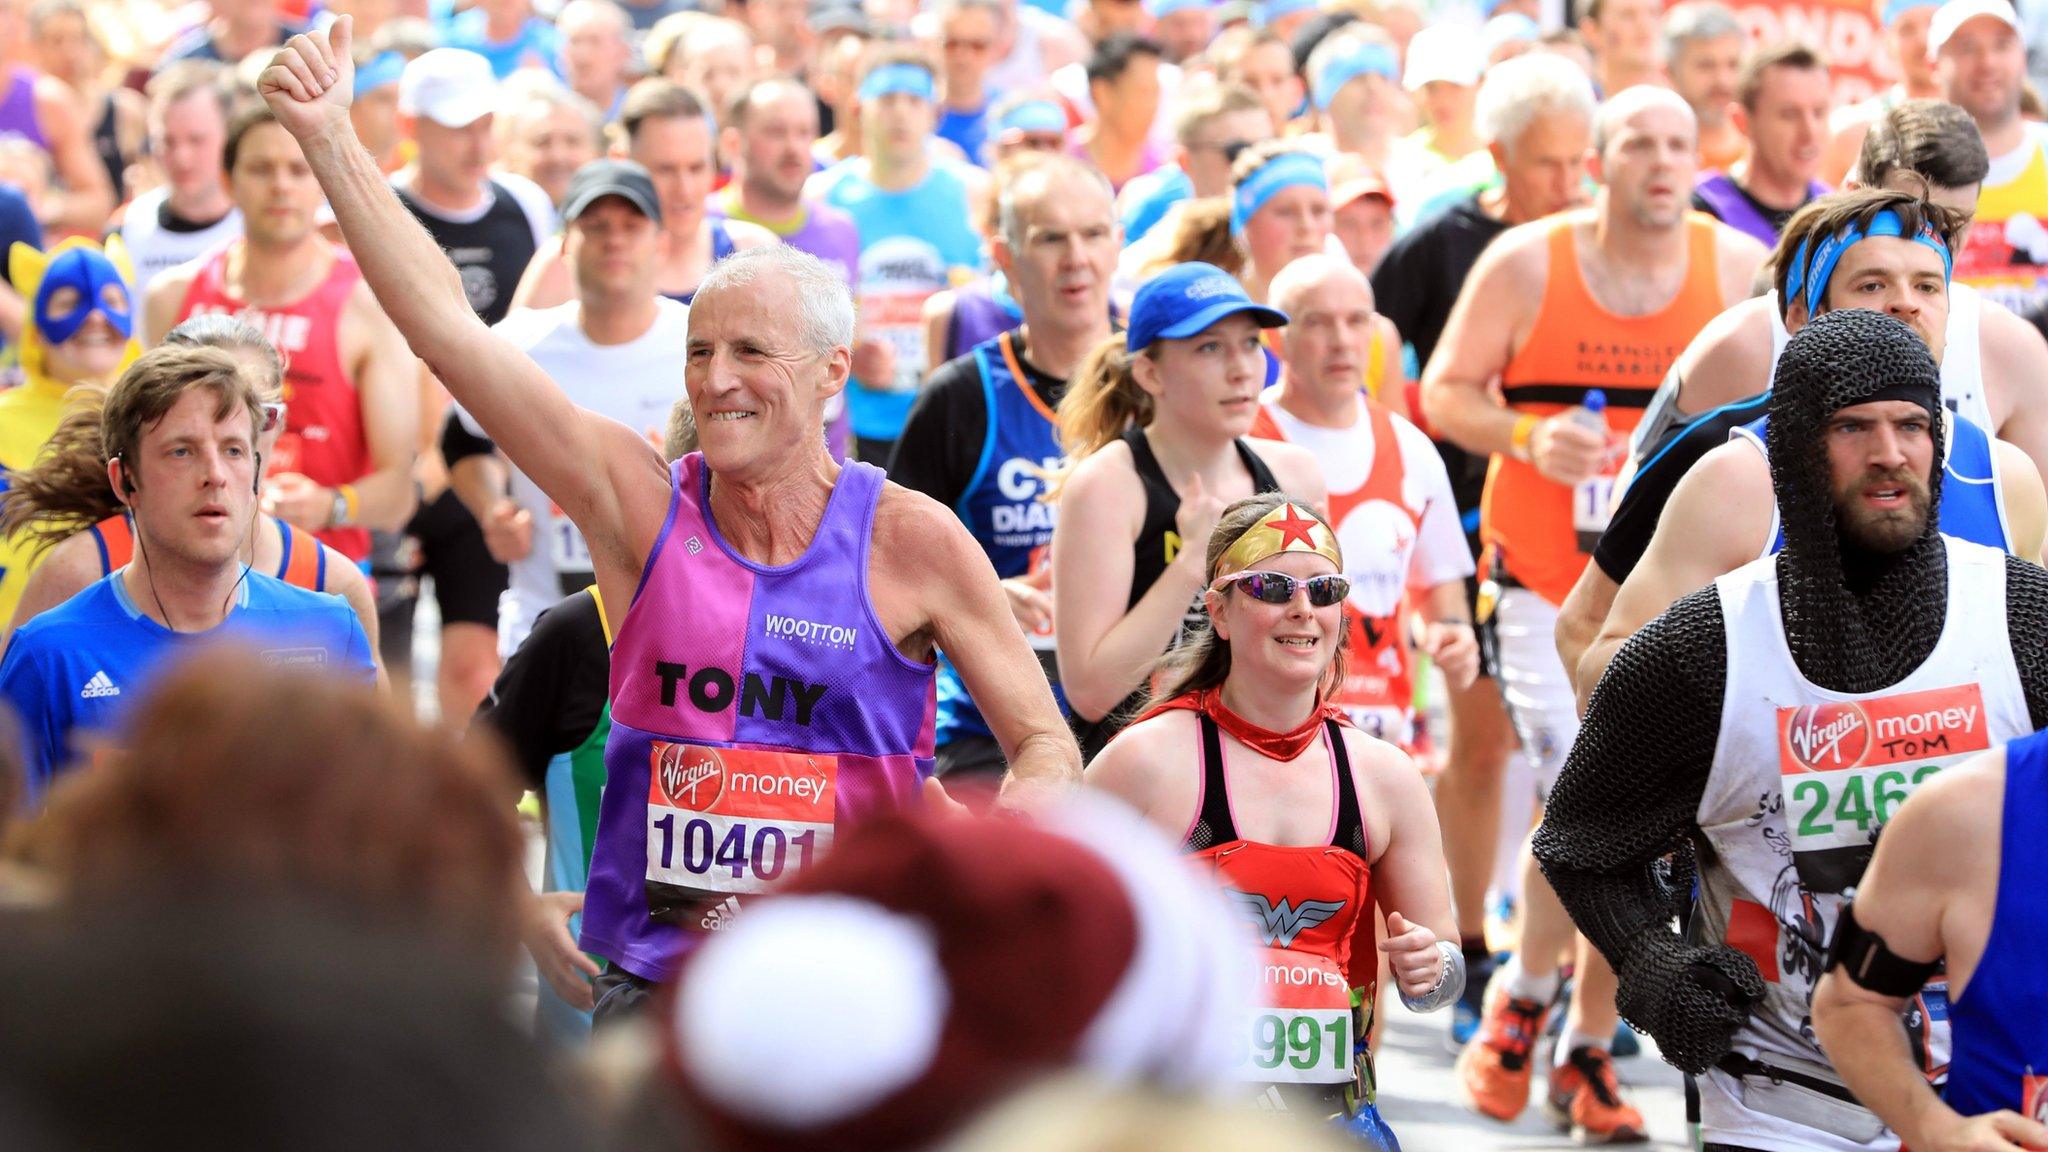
(323, 423)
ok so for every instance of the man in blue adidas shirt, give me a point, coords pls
(180, 436)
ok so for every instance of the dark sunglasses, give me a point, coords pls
(1278, 587)
(1229, 149)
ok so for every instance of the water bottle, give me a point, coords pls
(1591, 414)
(1591, 496)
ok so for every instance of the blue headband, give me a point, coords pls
(1287, 170)
(1032, 116)
(1893, 9)
(89, 272)
(1268, 11)
(379, 71)
(1811, 280)
(1368, 59)
(892, 78)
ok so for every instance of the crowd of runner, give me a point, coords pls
(1038, 566)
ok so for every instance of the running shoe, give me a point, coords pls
(1585, 1099)
(1494, 1069)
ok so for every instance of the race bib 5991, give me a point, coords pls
(1300, 1033)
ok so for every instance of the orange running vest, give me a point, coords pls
(1576, 346)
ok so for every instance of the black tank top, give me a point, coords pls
(1149, 560)
(1162, 504)
(1214, 824)
(491, 251)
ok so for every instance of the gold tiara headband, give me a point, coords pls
(1284, 529)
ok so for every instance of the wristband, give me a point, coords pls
(1450, 981)
(343, 513)
(1525, 431)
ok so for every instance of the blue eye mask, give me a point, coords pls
(100, 290)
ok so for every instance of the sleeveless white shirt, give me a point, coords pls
(1803, 779)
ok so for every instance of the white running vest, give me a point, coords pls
(154, 249)
(1962, 363)
(1802, 781)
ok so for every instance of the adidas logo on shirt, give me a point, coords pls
(722, 916)
(97, 687)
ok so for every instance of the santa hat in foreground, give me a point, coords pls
(930, 966)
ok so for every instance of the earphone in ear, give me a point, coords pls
(127, 481)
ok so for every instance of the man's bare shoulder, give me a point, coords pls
(173, 283)
(1738, 255)
(915, 528)
(1730, 358)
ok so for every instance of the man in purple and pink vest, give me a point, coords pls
(1781, 107)
(778, 612)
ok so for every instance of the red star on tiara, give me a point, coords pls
(1294, 527)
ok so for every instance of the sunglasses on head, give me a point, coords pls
(1278, 587)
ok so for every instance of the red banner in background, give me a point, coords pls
(1845, 31)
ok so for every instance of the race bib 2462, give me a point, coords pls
(1847, 766)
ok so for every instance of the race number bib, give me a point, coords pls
(1382, 723)
(566, 549)
(2034, 1097)
(727, 822)
(1300, 1032)
(1592, 500)
(1846, 767)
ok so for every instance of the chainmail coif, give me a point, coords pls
(1630, 792)
(1856, 620)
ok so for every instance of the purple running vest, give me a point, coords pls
(754, 709)
(1735, 210)
(18, 109)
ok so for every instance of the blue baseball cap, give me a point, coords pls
(1185, 300)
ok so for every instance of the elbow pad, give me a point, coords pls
(1867, 961)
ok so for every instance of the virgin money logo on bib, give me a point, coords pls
(689, 776)
(1827, 737)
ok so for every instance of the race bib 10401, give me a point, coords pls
(1847, 766)
(726, 822)
(1300, 1031)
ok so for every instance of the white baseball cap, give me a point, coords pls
(449, 86)
(1443, 52)
(1956, 13)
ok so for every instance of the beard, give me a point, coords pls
(1882, 530)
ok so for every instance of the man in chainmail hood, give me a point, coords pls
(1861, 591)
(1770, 723)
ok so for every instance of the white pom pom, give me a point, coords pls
(811, 1009)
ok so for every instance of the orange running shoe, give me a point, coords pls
(1585, 1098)
(1493, 1069)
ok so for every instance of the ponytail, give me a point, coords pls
(1101, 402)
(65, 491)
(1201, 234)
